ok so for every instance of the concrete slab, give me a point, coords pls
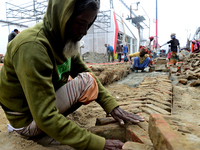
(134, 79)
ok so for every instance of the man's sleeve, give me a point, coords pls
(106, 101)
(169, 42)
(34, 71)
(13, 35)
(132, 55)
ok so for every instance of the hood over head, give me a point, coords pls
(56, 19)
(57, 15)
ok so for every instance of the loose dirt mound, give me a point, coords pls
(93, 57)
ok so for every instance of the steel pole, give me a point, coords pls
(149, 27)
(156, 25)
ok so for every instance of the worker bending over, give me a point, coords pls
(44, 78)
(141, 60)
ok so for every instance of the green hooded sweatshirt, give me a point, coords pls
(32, 73)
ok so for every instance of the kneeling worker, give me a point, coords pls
(141, 60)
(44, 79)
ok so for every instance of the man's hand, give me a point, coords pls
(120, 115)
(130, 62)
(113, 145)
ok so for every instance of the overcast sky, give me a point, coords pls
(174, 16)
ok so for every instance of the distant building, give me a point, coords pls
(111, 27)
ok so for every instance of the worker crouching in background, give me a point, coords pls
(141, 60)
(195, 47)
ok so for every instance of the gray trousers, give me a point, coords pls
(110, 54)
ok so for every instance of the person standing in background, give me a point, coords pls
(148, 42)
(169, 53)
(106, 46)
(148, 46)
(197, 43)
(174, 44)
(12, 35)
(125, 50)
(1, 58)
(110, 53)
(119, 51)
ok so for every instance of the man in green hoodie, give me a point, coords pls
(37, 90)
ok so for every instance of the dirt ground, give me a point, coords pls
(85, 116)
(187, 103)
(186, 106)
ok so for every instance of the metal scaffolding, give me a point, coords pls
(34, 11)
(111, 4)
(101, 25)
(103, 20)
(27, 12)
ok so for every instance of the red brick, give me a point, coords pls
(161, 134)
(110, 131)
(144, 125)
(104, 121)
(136, 134)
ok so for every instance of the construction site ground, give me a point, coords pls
(144, 93)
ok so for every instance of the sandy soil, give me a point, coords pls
(186, 109)
(85, 117)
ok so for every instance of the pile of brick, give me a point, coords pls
(107, 74)
(189, 70)
(161, 64)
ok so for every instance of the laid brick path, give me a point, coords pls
(153, 95)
